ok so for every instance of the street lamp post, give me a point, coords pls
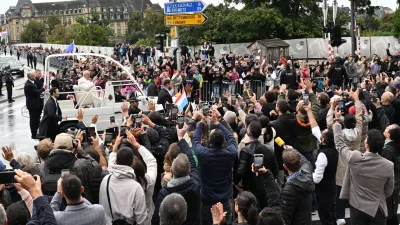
(334, 9)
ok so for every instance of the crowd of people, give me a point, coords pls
(230, 157)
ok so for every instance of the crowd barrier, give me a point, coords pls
(210, 90)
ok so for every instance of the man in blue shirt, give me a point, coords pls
(216, 162)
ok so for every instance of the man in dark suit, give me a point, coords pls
(32, 94)
(164, 96)
(52, 114)
(391, 152)
(152, 88)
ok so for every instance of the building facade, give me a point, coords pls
(18, 17)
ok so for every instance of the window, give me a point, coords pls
(18, 37)
(80, 10)
(118, 31)
(76, 11)
(17, 29)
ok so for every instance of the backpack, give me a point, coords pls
(49, 185)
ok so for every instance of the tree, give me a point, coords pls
(57, 35)
(396, 24)
(35, 32)
(146, 26)
(80, 34)
(52, 22)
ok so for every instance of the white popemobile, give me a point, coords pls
(94, 101)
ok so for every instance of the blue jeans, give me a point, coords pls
(206, 217)
(216, 91)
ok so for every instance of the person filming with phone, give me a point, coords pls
(52, 115)
(79, 210)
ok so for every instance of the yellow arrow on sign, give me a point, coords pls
(185, 19)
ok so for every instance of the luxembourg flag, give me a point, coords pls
(181, 100)
(3, 34)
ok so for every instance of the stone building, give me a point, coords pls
(18, 17)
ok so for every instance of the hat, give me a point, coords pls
(397, 85)
(63, 141)
(352, 110)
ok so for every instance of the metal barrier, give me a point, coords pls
(209, 89)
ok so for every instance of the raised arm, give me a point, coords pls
(341, 146)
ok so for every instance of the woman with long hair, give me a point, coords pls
(245, 207)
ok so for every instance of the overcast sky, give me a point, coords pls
(5, 4)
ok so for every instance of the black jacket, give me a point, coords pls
(296, 196)
(164, 97)
(391, 152)
(285, 127)
(321, 118)
(52, 114)
(390, 112)
(159, 150)
(337, 74)
(246, 159)
(190, 190)
(267, 108)
(152, 89)
(80, 164)
(289, 78)
(32, 94)
(271, 190)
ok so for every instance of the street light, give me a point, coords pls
(335, 5)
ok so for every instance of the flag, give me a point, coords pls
(3, 34)
(181, 100)
(70, 48)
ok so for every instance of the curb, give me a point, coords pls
(14, 97)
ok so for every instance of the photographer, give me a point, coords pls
(68, 154)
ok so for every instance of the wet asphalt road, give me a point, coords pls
(14, 128)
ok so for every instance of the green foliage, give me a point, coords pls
(52, 22)
(396, 24)
(146, 42)
(81, 20)
(35, 32)
(80, 34)
(57, 35)
(146, 26)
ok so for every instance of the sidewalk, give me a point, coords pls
(18, 90)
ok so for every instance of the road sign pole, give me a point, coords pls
(178, 52)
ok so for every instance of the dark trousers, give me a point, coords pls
(326, 209)
(34, 120)
(206, 217)
(1, 85)
(361, 218)
(340, 208)
(393, 221)
(9, 92)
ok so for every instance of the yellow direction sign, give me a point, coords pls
(185, 19)
(172, 33)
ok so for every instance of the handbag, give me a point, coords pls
(118, 221)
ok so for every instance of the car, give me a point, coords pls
(95, 102)
(17, 68)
